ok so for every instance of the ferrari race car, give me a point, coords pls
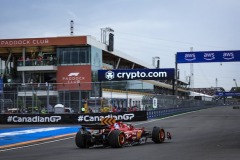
(117, 135)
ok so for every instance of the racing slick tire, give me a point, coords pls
(80, 140)
(116, 139)
(158, 135)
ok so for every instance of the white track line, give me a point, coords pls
(9, 149)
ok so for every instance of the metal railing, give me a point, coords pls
(37, 62)
(35, 97)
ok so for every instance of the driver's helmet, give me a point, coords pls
(121, 123)
(116, 126)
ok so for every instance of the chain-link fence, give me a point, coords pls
(173, 101)
(120, 96)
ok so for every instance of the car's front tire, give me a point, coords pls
(158, 135)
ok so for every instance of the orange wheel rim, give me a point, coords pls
(121, 139)
(161, 134)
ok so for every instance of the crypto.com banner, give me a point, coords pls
(134, 74)
(208, 56)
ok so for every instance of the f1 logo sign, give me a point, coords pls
(75, 74)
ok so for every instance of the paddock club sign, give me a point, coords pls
(134, 74)
(43, 41)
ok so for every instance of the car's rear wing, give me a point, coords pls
(105, 123)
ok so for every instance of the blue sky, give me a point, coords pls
(143, 29)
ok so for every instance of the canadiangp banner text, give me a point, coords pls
(134, 74)
(70, 118)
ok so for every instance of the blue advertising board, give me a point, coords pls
(227, 94)
(208, 56)
(134, 74)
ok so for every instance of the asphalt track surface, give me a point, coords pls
(210, 134)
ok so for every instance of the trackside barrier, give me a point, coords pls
(92, 117)
(172, 111)
(71, 118)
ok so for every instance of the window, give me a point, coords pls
(73, 55)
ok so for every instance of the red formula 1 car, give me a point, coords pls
(117, 135)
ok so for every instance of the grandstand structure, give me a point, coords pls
(210, 94)
(208, 91)
(65, 70)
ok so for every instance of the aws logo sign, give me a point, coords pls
(209, 56)
(190, 56)
(228, 55)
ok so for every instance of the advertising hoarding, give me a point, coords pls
(134, 74)
(48, 41)
(208, 56)
(227, 94)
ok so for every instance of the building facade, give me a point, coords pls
(64, 70)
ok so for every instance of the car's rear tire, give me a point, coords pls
(116, 139)
(158, 135)
(80, 141)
